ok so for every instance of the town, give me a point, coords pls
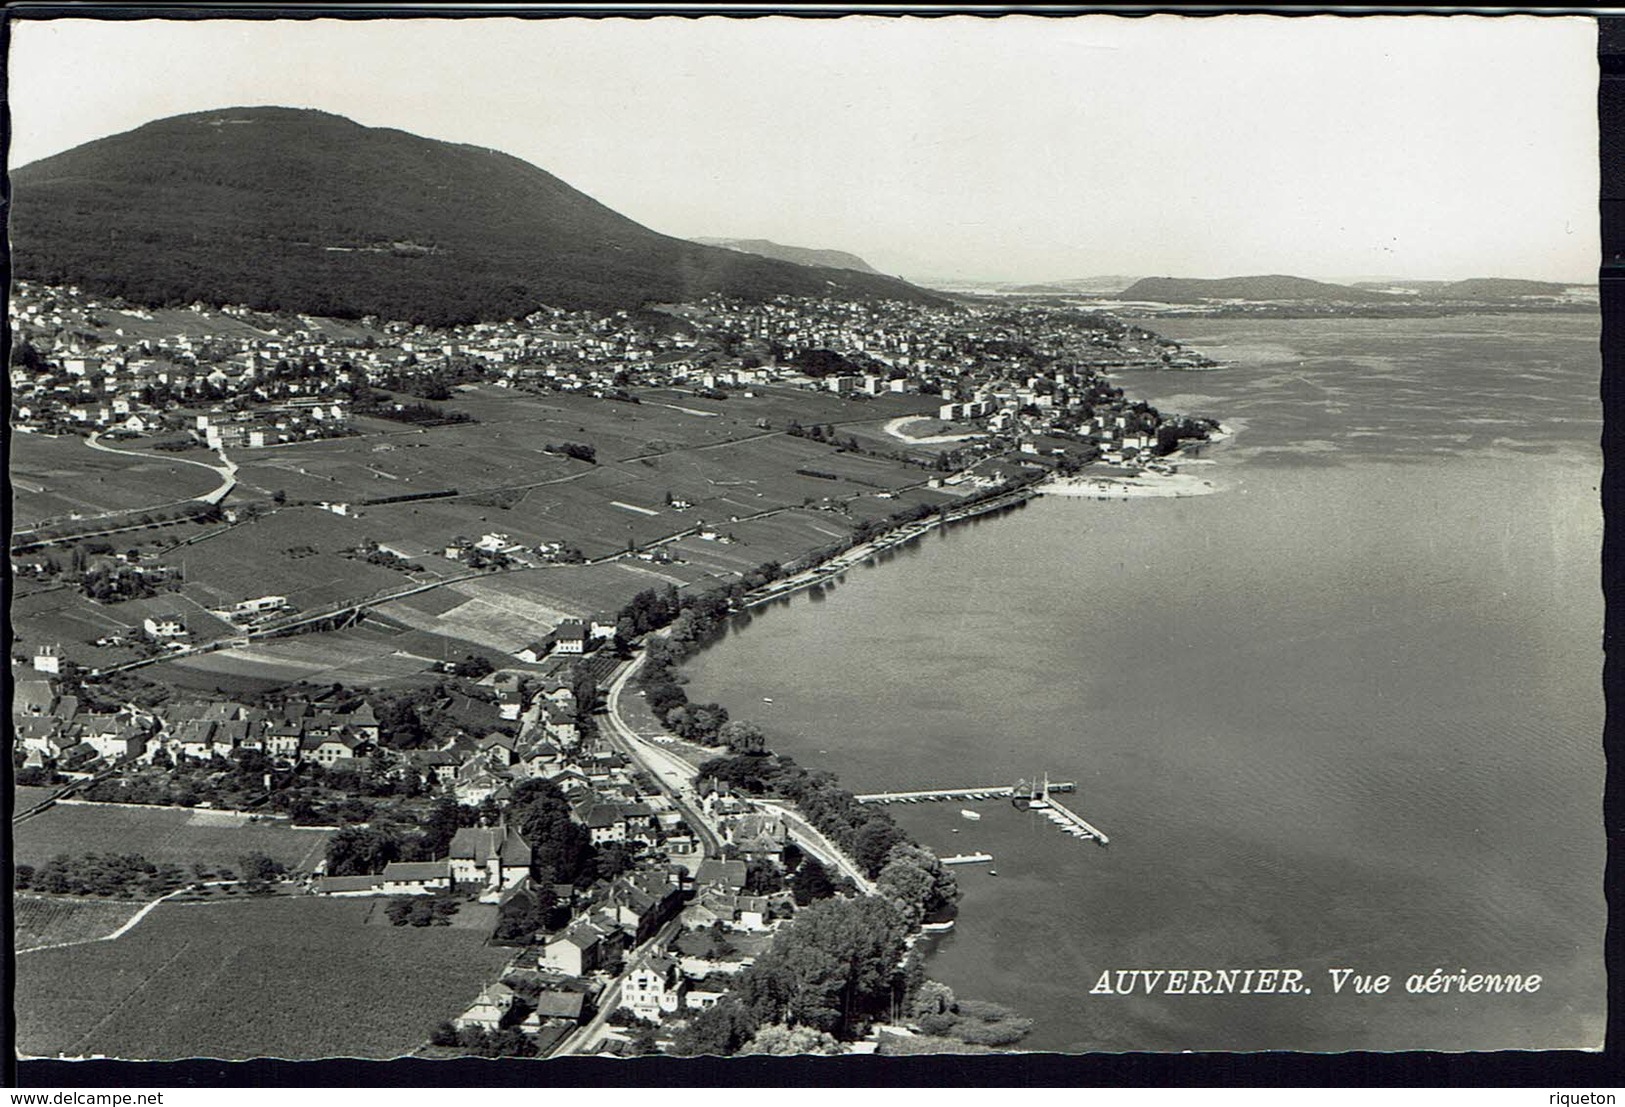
(637, 865)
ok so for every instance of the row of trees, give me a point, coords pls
(124, 876)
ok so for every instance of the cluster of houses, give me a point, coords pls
(289, 378)
(53, 728)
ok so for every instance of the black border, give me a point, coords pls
(1568, 1071)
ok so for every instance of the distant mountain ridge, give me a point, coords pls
(796, 255)
(1176, 290)
(1104, 285)
(299, 210)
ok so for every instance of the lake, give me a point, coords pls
(1345, 713)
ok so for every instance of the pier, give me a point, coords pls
(984, 792)
(1069, 820)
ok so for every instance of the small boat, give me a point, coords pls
(971, 815)
(956, 830)
(767, 699)
(937, 927)
(993, 872)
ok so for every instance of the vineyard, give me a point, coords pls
(301, 977)
(49, 921)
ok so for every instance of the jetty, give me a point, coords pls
(978, 792)
(1066, 818)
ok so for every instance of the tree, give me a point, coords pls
(22, 876)
(917, 881)
(779, 1040)
(524, 913)
(763, 878)
(832, 966)
(718, 1031)
(557, 842)
(873, 843)
(258, 870)
(742, 736)
(360, 851)
(810, 882)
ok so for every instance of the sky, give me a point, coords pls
(1010, 149)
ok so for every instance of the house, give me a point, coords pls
(415, 878)
(493, 1005)
(328, 748)
(363, 721)
(348, 885)
(498, 749)
(698, 999)
(566, 1006)
(35, 732)
(654, 989)
(559, 725)
(475, 782)
(497, 856)
(510, 703)
(722, 876)
(48, 659)
(605, 822)
(541, 759)
(642, 903)
(282, 739)
(717, 799)
(191, 738)
(583, 948)
(165, 626)
(33, 697)
(536, 650)
(561, 695)
(572, 637)
(753, 913)
(440, 764)
(757, 837)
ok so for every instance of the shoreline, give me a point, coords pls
(1146, 485)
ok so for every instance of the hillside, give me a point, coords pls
(297, 210)
(796, 255)
(1176, 290)
(1104, 286)
(1494, 288)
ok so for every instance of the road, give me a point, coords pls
(227, 468)
(812, 840)
(674, 775)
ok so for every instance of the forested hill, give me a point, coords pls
(800, 255)
(1274, 287)
(298, 210)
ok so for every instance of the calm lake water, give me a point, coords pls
(1346, 713)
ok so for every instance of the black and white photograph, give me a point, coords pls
(549, 536)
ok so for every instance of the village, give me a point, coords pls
(635, 854)
(236, 377)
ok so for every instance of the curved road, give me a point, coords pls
(227, 469)
(677, 775)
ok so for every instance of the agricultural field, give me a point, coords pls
(24, 797)
(53, 477)
(67, 617)
(289, 977)
(357, 656)
(163, 835)
(59, 920)
(293, 553)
